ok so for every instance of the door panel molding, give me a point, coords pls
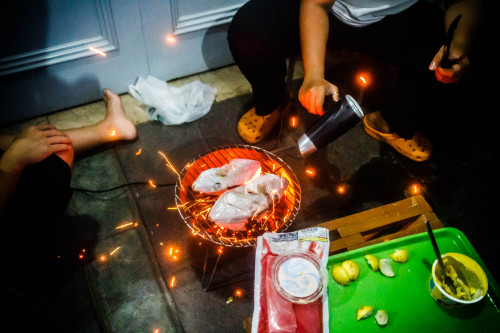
(199, 21)
(106, 41)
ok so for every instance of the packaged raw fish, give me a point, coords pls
(233, 208)
(290, 282)
(235, 173)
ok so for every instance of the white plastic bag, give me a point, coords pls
(173, 105)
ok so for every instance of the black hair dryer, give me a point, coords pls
(337, 119)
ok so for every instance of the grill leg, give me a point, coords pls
(206, 287)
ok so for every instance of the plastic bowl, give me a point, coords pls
(299, 277)
(468, 270)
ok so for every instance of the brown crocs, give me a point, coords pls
(418, 148)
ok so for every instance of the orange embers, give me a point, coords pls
(310, 172)
(173, 253)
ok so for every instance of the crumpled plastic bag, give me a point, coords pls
(173, 105)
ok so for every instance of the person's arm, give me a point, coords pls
(314, 28)
(34, 145)
(463, 39)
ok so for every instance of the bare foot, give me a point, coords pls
(375, 120)
(116, 122)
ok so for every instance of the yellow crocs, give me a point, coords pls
(252, 128)
(418, 148)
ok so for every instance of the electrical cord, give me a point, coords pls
(78, 189)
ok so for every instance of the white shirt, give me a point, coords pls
(360, 13)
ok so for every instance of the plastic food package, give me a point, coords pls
(290, 282)
(173, 105)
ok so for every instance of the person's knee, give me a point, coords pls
(238, 29)
(252, 26)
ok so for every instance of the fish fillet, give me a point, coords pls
(235, 207)
(236, 172)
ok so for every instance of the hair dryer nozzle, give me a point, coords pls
(306, 146)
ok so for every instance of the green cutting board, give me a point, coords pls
(406, 297)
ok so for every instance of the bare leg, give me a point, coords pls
(115, 126)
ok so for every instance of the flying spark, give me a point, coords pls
(168, 164)
(310, 172)
(415, 189)
(93, 49)
(125, 225)
(114, 251)
(363, 79)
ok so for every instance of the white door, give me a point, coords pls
(51, 58)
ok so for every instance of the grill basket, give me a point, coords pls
(195, 207)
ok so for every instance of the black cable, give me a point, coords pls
(118, 186)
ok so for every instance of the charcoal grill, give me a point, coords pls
(195, 207)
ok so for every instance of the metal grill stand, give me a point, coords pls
(206, 287)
